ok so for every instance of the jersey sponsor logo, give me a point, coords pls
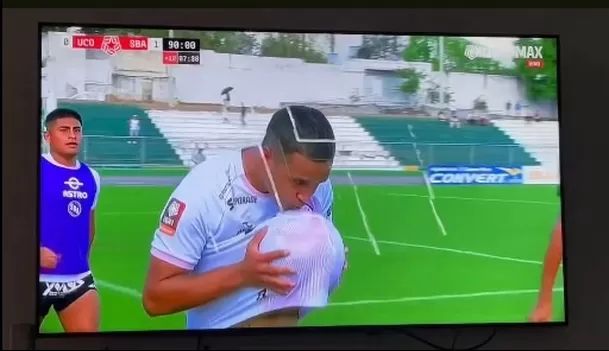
(227, 186)
(247, 228)
(262, 294)
(74, 208)
(241, 200)
(171, 216)
(53, 289)
(74, 193)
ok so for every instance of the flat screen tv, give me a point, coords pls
(214, 179)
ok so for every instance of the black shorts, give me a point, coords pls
(61, 295)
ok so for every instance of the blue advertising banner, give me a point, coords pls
(479, 175)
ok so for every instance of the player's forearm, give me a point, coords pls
(186, 291)
(551, 265)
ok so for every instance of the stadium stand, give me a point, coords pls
(187, 130)
(439, 144)
(540, 139)
(106, 137)
(172, 137)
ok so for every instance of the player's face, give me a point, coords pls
(296, 178)
(64, 136)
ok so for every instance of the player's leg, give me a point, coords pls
(136, 134)
(225, 111)
(79, 310)
(131, 135)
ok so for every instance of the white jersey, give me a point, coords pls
(208, 221)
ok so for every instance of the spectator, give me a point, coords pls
(243, 113)
(225, 105)
(134, 129)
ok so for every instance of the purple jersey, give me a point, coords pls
(67, 197)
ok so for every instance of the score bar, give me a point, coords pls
(112, 44)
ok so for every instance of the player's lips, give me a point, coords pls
(72, 144)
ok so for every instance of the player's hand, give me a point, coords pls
(542, 312)
(258, 271)
(48, 258)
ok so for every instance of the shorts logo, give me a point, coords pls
(241, 200)
(74, 208)
(171, 216)
(59, 289)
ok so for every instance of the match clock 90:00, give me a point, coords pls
(176, 44)
(189, 58)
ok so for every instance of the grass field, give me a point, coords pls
(485, 269)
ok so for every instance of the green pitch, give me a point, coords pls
(485, 269)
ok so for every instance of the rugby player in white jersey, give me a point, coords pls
(199, 260)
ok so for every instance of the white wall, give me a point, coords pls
(258, 81)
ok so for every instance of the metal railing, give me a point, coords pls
(125, 151)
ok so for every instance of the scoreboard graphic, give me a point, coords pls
(175, 51)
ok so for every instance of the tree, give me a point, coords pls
(239, 43)
(54, 29)
(375, 47)
(540, 83)
(150, 33)
(332, 42)
(480, 104)
(291, 46)
(427, 49)
(412, 80)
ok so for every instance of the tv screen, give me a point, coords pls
(195, 180)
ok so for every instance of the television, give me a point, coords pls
(165, 152)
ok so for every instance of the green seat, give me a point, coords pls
(106, 141)
(438, 144)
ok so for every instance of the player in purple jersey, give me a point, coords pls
(68, 194)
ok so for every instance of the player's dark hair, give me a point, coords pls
(61, 113)
(311, 124)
